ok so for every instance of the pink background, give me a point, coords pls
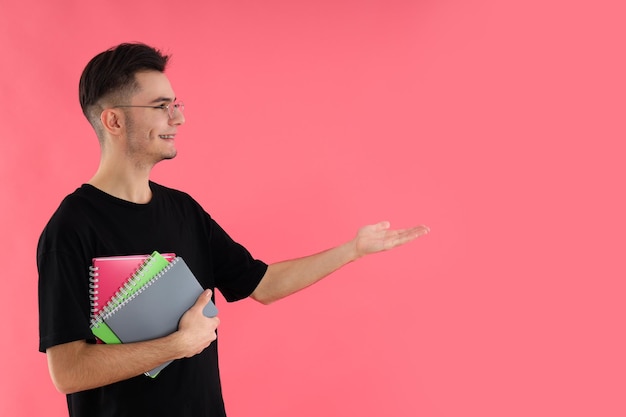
(500, 124)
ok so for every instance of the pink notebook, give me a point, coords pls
(108, 274)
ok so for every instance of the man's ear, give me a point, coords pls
(112, 121)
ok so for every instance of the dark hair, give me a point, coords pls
(113, 72)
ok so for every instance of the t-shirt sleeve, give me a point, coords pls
(237, 273)
(63, 267)
(63, 300)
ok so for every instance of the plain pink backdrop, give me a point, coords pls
(500, 124)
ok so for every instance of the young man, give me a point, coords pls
(129, 101)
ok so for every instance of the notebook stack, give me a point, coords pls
(145, 295)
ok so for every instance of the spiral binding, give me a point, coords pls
(93, 290)
(121, 294)
(107, 314)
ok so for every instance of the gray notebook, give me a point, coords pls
(155, 310)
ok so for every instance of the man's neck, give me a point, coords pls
(129, 185)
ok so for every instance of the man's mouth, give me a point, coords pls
(167, 136)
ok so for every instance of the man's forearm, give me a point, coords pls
(78, 366)
(287, 277)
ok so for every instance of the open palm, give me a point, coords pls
(379, 237)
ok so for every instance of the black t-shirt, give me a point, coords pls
(90, 223)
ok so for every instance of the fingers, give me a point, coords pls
(410, 233)
(413, 233)
(380, 237)
(399, 237)
(420, 230)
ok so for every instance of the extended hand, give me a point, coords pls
(378, 237)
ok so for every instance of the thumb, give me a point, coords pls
(203, 299)
(384, 225)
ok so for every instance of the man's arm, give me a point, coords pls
(288, 277)
(77, 366)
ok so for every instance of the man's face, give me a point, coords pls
(150, 132)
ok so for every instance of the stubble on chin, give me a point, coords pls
(171, 156)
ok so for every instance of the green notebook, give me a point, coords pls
(146, 271)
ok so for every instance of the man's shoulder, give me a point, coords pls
(171, 193)
(174, 199)
(69, 211)
(66, 223)
(162, 189)
(73, 201)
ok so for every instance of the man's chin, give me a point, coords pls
(170, 156)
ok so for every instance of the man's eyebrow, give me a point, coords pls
(162, 99)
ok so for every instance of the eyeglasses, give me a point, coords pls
(170, 108)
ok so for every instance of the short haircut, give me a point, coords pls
(111, 75)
